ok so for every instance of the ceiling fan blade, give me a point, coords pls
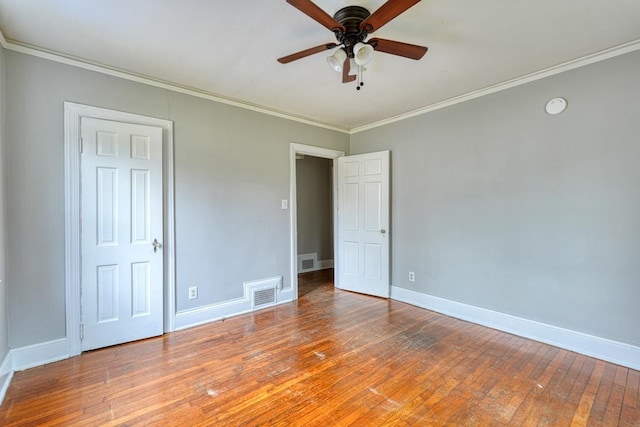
(306, 52)
(385, 13)
(313, 11)
(346, 68)
(407, 50)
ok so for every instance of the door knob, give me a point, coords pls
(383, 231)
(156, 245)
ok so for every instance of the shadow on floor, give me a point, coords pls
(308, 282)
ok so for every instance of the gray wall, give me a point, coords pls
(499, 205)
(315, 206)
(231, 172)
(495, 203)
(4, 343)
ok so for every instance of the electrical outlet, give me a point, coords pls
(193, 292)
(412, 276)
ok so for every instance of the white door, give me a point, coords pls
(121, 237)
(363, 223)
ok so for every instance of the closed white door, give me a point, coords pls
(121, 237)
(363, 223)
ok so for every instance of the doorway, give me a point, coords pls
(314, 202)
(297, 152)
(361, 219)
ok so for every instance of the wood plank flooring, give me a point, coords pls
(333, 358)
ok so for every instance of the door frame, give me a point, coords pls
(310, 150)
(73, 113)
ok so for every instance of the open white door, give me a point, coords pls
(121, 243)
(363, 223)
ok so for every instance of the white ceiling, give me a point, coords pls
(228, 48)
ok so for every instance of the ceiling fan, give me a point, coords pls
(351, 26)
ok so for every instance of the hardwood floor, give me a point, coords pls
(332, 359)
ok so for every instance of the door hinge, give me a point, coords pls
(81, 332)
(81, 145)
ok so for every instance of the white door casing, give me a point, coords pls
(326, 153)
(363, 218)
(121, 232)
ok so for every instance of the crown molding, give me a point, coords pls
(547, 72)
(127, 75)
(140, 78)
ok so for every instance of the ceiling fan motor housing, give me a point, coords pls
(350, 17)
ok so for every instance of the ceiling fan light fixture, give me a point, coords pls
(337, 60)
(362, 53)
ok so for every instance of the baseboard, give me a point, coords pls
(303, 259)
(39, 354)
(6, 375)
(214, 312)
(600, 348)
(30, 356)
(325, 264)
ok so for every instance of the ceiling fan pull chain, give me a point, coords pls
(360, 77)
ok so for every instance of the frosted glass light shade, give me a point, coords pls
(337, 60)
(362, 53)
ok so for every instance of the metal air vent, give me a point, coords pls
(263, 297)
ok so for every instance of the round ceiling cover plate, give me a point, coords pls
(556, 106)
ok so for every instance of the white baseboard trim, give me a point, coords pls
(22, 358)
(315, 263)
(30, 356)
(309, 270)
(324, 264)
(6, 375)
(214, 312)
(40, 354)
(600, 348)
